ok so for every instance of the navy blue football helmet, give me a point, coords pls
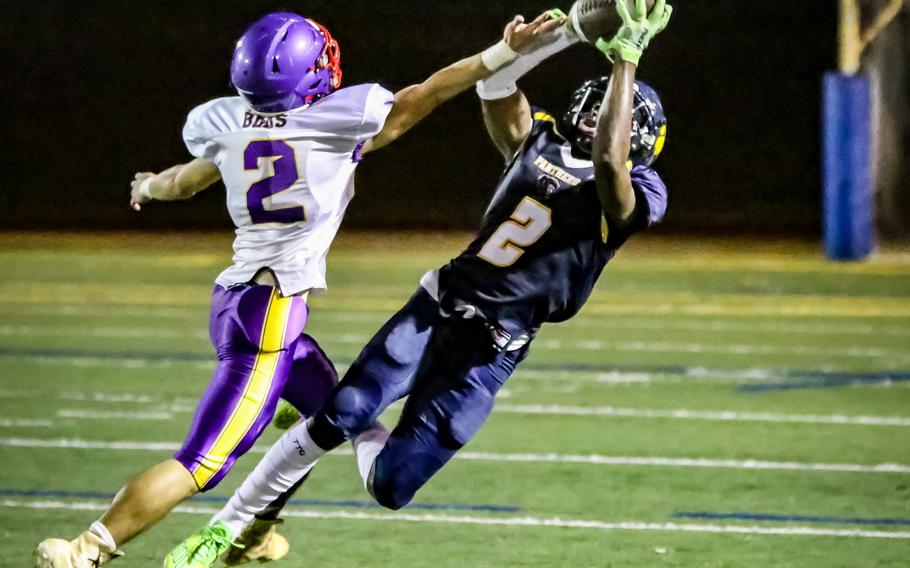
(649, 123)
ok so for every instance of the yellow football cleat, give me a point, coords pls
(261, 542)
(202, 548)
(87, 551)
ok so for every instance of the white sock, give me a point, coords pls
(367, 446)
(98, 529)
(284, 465)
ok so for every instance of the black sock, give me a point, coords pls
(325, 434)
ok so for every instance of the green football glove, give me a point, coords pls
(556, 14)
(637, 30)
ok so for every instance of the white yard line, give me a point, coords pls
(114, 415)
(531, 373)
(17, 394)
(168, 407)
(343, 315)
(594, 459)
(548, 410)
(747, 350)
(530, 522)
(705, 324)
(677, 347)
(117, 363)
(90, 445)
(184, 405)
(104, 397)
(686, 462)
(690, 375)
(84, 310)
(25, 423)
(685, 414)
(101, 332)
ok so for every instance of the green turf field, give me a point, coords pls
(715, 404)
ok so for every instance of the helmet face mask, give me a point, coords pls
(285, 61)
(579, 123)
(649, 124)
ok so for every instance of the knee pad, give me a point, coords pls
(460, 414)
(349, 412)
(394, 485)
(354, 409)
(387, 496)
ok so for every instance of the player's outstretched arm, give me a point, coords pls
(612, 139)
(612, 143)
(506, 111)
(414, 103)
(173, 184)
(508, 122)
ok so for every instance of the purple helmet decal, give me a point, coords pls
(284, 61)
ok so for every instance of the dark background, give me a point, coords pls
(94, 91)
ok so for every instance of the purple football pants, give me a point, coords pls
(263, 355)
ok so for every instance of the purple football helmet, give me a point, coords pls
(285, 61)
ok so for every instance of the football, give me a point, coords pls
(593, 19)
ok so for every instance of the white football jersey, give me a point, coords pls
(289, 177)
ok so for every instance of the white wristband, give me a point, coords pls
(498, 56)
(501, 84)
(144, 190)
(492, 91)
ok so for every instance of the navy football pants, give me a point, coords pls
(451, 372)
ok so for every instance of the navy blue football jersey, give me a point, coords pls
(544, 239)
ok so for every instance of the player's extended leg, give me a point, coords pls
(258, 344)
(382, 374)
(452, 398)
(310, 381)
(260, 540)
(250, 327)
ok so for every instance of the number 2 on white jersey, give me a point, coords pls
(528, 223)
(283, 177)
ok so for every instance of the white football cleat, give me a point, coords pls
(87, 551)
(261, 542)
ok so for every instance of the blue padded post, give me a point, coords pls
(847, 155)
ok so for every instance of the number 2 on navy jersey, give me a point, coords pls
(284, 176)
(528, 223)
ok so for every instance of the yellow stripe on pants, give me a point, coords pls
(256, 392)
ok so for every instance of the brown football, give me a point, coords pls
(598, 18)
